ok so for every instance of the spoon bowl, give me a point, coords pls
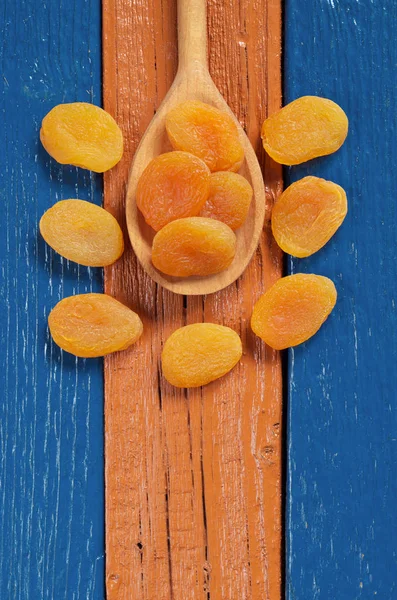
(193, 82)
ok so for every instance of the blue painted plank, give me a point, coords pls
(342, 409)
(51, 407)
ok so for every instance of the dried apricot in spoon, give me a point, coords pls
(229, 199)
(173, 185)
(304, 129)
(91, 325)
(193, 246)
(193, 83)
(293, 309)
(307, 214)
(82, 232)
(207, 132)
(198, 354)
(82, 135)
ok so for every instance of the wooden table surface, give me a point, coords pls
(341, 519)
(193, 478)
(190, 485)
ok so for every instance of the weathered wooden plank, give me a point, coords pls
(193, 479)
(343, 384)
(51, 451)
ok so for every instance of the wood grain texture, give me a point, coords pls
(342, 464)
(51, 449)
(193, 479)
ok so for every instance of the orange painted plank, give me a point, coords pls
(193, 478)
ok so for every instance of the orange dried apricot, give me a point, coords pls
(229, 200)
(197, 354)
(304, 129)
(206, 132)
(193, 246)
(83, 135)
(173, 185)
(82, 232)
(307, 214)
(90, 325)
(293, 309)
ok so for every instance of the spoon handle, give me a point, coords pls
(192, 34)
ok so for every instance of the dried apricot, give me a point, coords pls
(90, 325)
(206, 132)
(293, 309)
(304, 129)
(193, 246)
(229, 200)
(307, 214)
(173, 185)
(83, 135)
(82, 232)
(197, 354)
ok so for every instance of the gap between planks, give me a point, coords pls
(193, 478)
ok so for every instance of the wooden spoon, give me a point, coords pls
(193, 82)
